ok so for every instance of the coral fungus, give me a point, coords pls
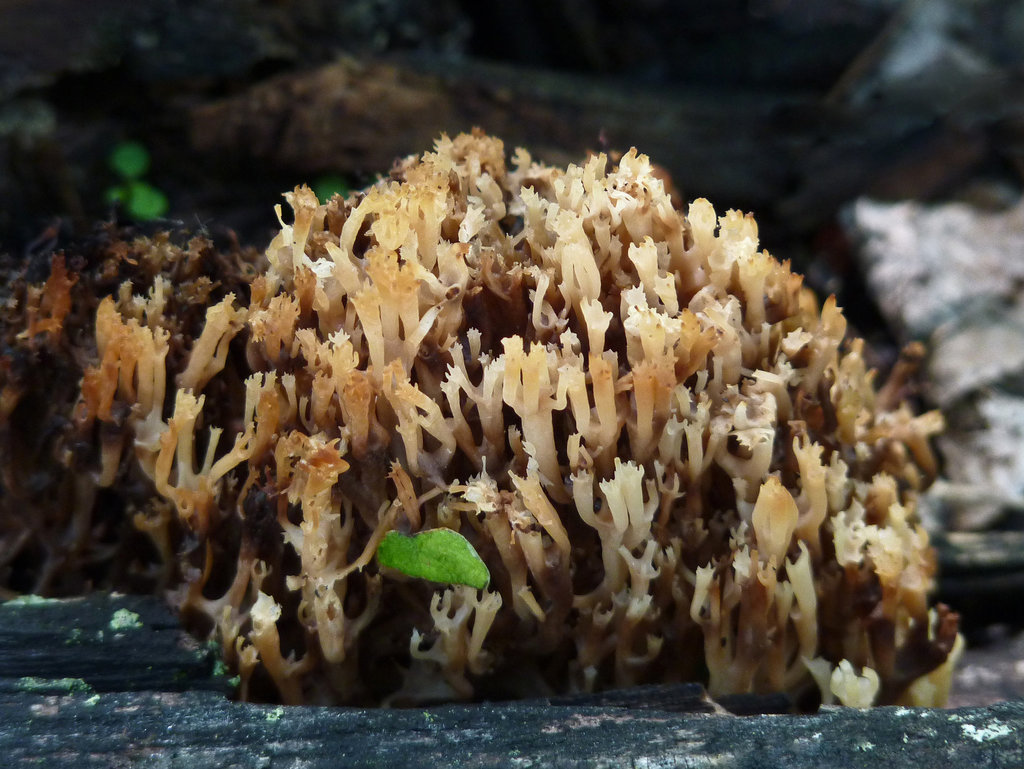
(671, 462)
(68, 492)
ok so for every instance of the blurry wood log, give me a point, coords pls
(358, 116)
(981, 553)
(110, 681)
(789, 156)
(981, 575)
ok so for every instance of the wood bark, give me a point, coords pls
(791, 157)
(110, 681)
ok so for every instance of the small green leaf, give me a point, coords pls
(439, 555)
(130, 160)
(329, 185)
(145, 201)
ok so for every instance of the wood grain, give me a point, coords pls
(109, 681)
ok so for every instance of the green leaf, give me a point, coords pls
(145, 201)
(329, 185)
(130, 160)
(439, 555)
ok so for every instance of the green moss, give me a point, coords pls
(51, 685)
(211, 650)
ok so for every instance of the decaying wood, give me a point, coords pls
(101, 643)
(981, 553)
(982, 575)
(200, 729)
(359, 115)
(110, 681)
(793, 157)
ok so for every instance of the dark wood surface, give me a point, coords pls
(201, 729)
(109, 681)
(982, 576)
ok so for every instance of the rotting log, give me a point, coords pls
(982, 575)
(110, 681)
(101, 643)
(790, 156)
(359, 115)
(202, 729)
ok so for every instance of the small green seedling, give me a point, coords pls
(130, 160)
(141, 200)
(327, 186)
(438, 555)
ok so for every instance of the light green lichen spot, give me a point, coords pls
(994, 730)
(29, 600)
(275, 714)
(125, 619)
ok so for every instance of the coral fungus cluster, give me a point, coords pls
(671, 462)
(66, 517)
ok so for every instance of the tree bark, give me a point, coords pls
(110, 681)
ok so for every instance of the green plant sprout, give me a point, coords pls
(130, 160)
(438, 555)
(328, 185)
(141, 200)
